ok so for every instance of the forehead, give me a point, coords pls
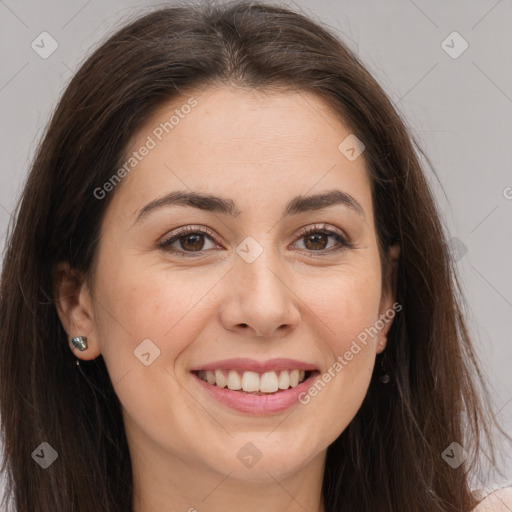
(258, 146)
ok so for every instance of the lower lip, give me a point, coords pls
(257, 404)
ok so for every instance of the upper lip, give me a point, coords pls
(246, 364)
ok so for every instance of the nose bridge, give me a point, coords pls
(262, 277)
(259, 269)
(262, 298)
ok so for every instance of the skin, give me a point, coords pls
(498, 501)
(295, 300)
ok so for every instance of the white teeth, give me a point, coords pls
(284, 380)
(268, 382)
(294, 378)
(253, 382)
(220, 379)
(234, 382)
(250, 381)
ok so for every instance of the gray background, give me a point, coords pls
(460, 110)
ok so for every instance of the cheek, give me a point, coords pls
(344, 312)
(148, 318)
(144, 324)
(343, 304)
(151, 304)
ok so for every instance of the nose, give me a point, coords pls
(259, 299)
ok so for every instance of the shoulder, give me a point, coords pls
(498, 501)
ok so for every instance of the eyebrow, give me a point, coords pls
(210, 203)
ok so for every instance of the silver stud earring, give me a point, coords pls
(79, 342)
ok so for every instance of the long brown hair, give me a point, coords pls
(389, 457)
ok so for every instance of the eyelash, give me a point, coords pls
(317, 228)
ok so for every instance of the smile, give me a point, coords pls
(253, 382)
(250, 386)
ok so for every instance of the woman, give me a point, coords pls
(227, 286)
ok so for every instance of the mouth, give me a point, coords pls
(255, 383)
(255, 387)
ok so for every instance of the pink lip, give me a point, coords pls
(251, 365)
(257, 404)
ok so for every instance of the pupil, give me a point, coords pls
(315, 239)
(193, 246)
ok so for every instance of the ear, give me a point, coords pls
(74, 307)
(388, 307)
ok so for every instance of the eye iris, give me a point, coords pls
(315, 237)
(196, 237)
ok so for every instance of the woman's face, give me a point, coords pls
(245, 291)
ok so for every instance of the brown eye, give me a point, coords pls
(316, 241)
(189, 240)
(194, 242)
